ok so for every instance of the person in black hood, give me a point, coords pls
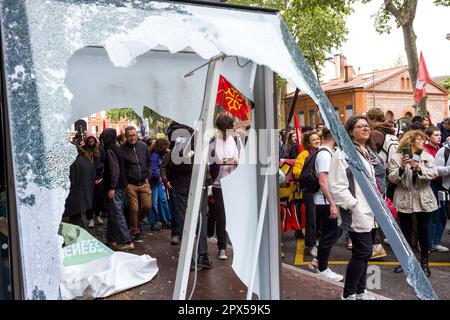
(115, 183)
(178, 180)
(138, 172)
(81, 194)
(97, 155)
(444, 126)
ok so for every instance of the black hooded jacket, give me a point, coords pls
(114, 176)
(82, 182)
(179, 173)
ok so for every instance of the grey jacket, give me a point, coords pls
(443, 167)
(409, 198)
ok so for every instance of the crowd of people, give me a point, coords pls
(409, 161)
(136, 181)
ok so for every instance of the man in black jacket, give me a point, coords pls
(115, 183)
(138, 170)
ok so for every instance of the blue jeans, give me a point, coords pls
(174, 212)
(438, 218)
(160, 206)
(117, 229)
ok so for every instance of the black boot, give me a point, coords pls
(426, 269)
(398, 269)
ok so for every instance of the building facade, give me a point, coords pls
(390, 89)
(94, 123)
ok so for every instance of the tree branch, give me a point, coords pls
(392, 9)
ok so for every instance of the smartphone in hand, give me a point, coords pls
(406, 152)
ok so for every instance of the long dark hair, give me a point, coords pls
(109, 137)
(224, 122)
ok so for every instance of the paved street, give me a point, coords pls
(392, 285)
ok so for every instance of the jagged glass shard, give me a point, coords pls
(43, 40)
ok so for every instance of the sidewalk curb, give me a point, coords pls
(337, 284)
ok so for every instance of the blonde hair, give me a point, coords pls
(409, 138)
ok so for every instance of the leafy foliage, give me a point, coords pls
(445, 3)
(445, 83)
(156, 122)
(318, 26)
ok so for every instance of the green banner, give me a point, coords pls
(80, 246)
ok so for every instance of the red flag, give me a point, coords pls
(104, 124)
(230, 98)
(422, 79)
(299, 133)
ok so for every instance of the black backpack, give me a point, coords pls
(309, 182)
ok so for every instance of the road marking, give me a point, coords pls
(299, 259)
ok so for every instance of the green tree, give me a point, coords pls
(446, 84)
(398, 62)
(404, 12)
(318, 26)
(156, 122)
(122, 113)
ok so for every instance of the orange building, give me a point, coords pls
(94, 123)
(388, 89)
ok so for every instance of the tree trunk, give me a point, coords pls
(409, 38)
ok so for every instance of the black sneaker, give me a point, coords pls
(156, 227)
(426, 270)
(138, 237)
(203, 262)
(398, 269)
(166, 225)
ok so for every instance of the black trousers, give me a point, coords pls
(181, 203)
(310, 208)
(355, 276)
(329, 235)
(423, 229)
(219, 212)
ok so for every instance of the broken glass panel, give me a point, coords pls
(50, 48)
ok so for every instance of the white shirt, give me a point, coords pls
(322, 164)
(225, 149)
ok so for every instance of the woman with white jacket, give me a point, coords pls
(412, 171)
(354, 210)
(225, 156)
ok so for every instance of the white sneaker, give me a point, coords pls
(312, 251)
(91, 223)
(222, 255)
(439, 248)
(365, 296)
(314, 265)
(350, 297)
(328, 274)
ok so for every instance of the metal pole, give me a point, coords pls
(197, 179)
(291, 112)
(265, 116)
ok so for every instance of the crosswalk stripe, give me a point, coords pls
(299, 259)
(299, 253)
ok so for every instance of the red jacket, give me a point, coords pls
(431, 150)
